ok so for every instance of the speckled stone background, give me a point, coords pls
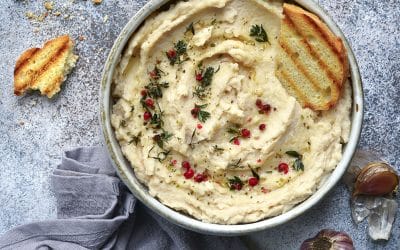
(34, 130)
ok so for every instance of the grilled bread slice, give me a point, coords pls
(311, 63)
(46, 68)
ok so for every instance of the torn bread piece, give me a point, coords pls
(45, 69)
(312, 62)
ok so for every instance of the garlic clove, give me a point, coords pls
(377, 178)
(328, 239)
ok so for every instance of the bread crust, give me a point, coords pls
(44, 68)
(295, 17)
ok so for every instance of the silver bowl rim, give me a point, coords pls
(126, 173)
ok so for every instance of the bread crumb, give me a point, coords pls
(22, 123)
(57, 13)
(39, 18)
(49, 5)
(105, 19)
(81, 38)
(42, 17)
(30, 15)
(97, 1)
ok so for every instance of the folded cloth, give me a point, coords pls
(96, 211)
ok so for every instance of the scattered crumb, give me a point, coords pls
(81, 38)
(42, 17)
(36, 30)
(57, 13)
(97, 1)
(22, 123)
(105, 19)
(30, 15)
(39, 18)
(49, 5)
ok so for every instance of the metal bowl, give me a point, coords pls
(126, 172)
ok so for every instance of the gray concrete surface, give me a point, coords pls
(34, 131)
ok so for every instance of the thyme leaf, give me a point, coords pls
(160, 156)
(298, 165)
(254, 173)
(203, 115)
(234, 131)
(161, 138)
(135, 139)
(293, 153)
(235, 164)
(156, 120)
(191, 144)
(259, 34)
(217, 149)
(190, 28)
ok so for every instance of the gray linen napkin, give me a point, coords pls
(96, 211)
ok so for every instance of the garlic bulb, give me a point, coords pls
(328, 239)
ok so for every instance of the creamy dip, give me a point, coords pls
(205, 123)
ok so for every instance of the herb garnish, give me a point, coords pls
(235, 183)
(198, 112)
(297, 164)
(206, 79)
(191, 144)
(122, 123)
(135, 139)
(293, 153)
(154, 89)
(161, 138)
(234, 131)
(235, 164)
(190, 28)
(259, 34)
(174, 55)
(156, 120)
(217, 149)
(161, 156)
(155, 73)
(254, 173)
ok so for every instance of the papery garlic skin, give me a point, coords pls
(328, 239)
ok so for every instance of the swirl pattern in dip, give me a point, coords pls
(205, 123)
